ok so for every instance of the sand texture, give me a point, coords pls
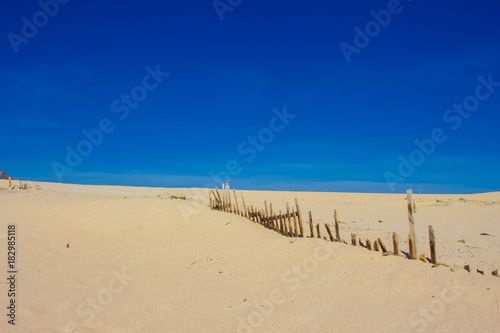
(130, 259)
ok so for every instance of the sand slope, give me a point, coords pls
(139, 262)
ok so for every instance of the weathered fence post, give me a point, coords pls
(337, 231)
(412, 253)
(244, 206)
(353, 239)
(317, 230)
(432, 244)
(289, 218)
(236, 202)
(295, 225)
(382, 245)
(299, 216)
(395, 244)
(311, 224)
(329, 232)
(411, 220)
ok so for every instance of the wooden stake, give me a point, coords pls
(375, 245)
(382, 245)
(282, 225)
(267, 212)
(353, 239)
(317, 230)
(289, 219)
(411, 221)
(467, 268)
(337, 232)
(283, 221)
(395, 244)
(220, 199)
(244, 206)
(411, 249)
(432, 244)
(311, 224)
(329, 232)
(295, 225)
(236, 202)
(368, 244)
(299, 216)
(273, 225)
(10, 183)
(495, 272)
(228, 194)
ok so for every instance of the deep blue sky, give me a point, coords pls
(352, 120)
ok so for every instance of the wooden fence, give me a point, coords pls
(290, 224)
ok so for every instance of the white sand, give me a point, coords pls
(149, 264)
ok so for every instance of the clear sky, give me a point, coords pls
(279, 95)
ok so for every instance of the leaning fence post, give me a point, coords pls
(432, 244)
(311, 224)
(395, 243)
(236, 202)
(411, 220)
(353, 239)
(382, 245)
(295, 225)
(244, 206)
(289, 218)
(299, 216)
(337, 231)
(329, 232)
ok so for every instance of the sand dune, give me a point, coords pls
(138, 261)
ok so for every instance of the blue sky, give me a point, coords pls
(227, 79)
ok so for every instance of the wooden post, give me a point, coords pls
(495, 272)
(311, 224)
(375, 245)
(299, 216)
(289, 219)
(368, 244)
(295, 225)
(467, 268)
(382, 245)
(411, 220)
(353, 239)
(273, 225)
(10, 183)
(329, 232)
(220, 199)
(244, 206)
(267, 213)
(283, 224)
(432, 244)
(317, 230)
(395, 244)
(337, 231)
(236, 202)
(228, 194)
(411, 250)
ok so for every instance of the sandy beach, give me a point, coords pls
(132, 259)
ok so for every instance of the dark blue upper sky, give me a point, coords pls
(354, 121)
